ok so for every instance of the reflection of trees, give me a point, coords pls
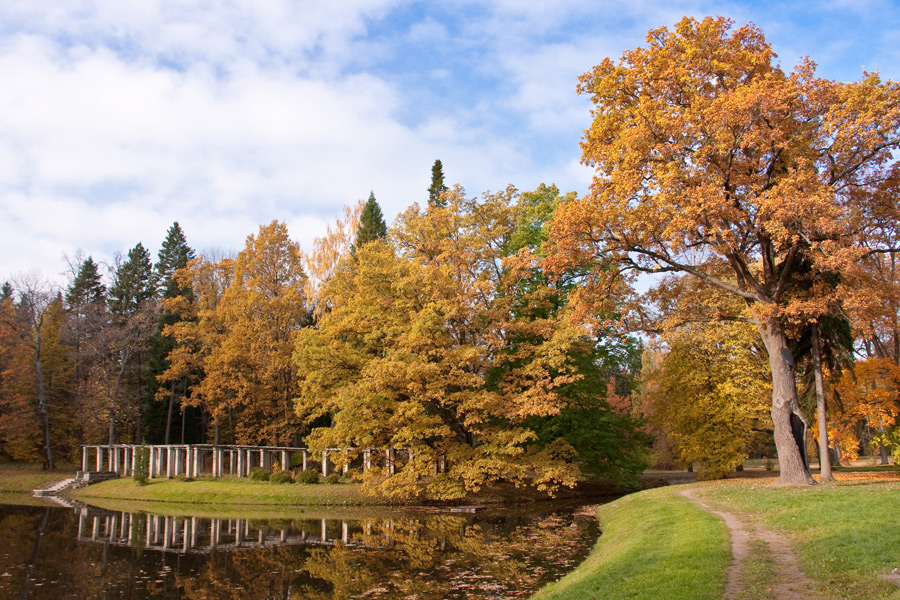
(446, 557)
(431, 557)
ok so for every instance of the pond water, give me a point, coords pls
(84, 552)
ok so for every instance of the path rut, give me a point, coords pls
(790, 582)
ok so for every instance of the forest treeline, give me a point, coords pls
(508, 336)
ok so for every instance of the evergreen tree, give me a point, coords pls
(134, 283)
(174, 254)
(371, 223)
(6, 291)
(437, 186)
(87, 286)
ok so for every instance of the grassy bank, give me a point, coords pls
(22, 479)
(845, 535)
(655, 544)
(227, 491)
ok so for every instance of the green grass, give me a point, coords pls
(227, 491)
(655, 544)
(758, 577)
(23, 479)
(845, 535)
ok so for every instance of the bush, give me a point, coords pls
(281, 477)
(259, 474)
(141, 465)
(307, 477)
(332, 479)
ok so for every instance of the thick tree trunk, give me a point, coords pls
(824, 456)
(790, 424)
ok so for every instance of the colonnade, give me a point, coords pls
(194, 460)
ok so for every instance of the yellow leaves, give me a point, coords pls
(422, 348)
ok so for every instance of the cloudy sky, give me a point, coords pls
(118, 117)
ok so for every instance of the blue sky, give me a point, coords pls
(118, 117)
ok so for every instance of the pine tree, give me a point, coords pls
(371, 223)
(174, 254)
(134, 283)
(6, 291)
(437, 186)
(87, 286)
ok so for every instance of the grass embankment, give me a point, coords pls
(655, 544)
(25, 477)
(227, 490)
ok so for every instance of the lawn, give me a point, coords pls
(23, 478)
(227, 490)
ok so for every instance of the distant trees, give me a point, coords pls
(437, 187)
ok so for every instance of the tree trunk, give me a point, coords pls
(824, 456)
(790, 424)
(169, 414)
(42, 403)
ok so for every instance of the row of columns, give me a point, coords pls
(168, 461)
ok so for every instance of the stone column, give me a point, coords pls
(99, 458)
(196, 463)
(170, 464)
(304, 460)
(240, 464)
(285, 460)
(325, 463)
(367, 459)
(84, 459)
(392, 468)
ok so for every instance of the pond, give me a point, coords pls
(84, 552)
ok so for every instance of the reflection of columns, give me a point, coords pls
(149, 530)
(324, 531)
(95, 530)
(82, 517)
(239, 532)
(186, 539)
(345, 532)
(112, 524)
(84, 459)
(166, 532)
(193, 532)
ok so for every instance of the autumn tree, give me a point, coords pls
(26, 323)
(249, 370)
(329, 255)
(707, 153)
(198, 331)
(436, 342)
(706, 386)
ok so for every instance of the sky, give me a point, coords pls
(120, 117)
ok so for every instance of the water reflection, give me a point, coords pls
(89, 553)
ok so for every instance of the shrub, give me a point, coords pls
(332, 479)
(141, 465)
(307, 477)
(281, 477)
(259, 474)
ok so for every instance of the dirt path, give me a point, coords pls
(790, 583)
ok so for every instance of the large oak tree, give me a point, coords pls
(707, 152)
